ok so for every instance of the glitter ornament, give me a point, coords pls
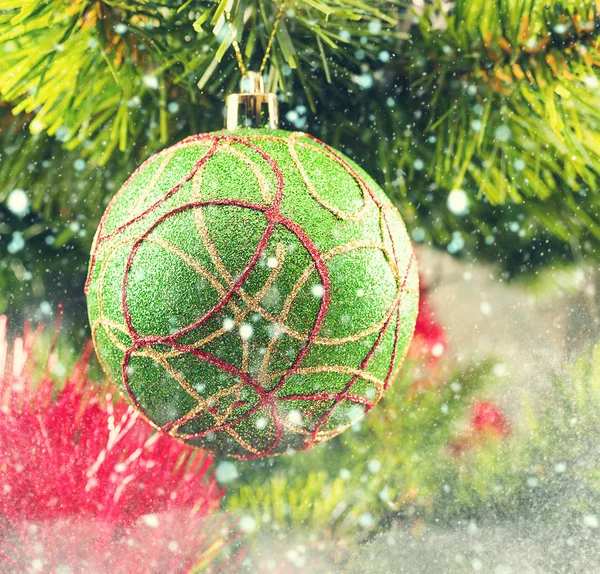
(251, 291)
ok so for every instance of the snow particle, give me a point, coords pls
(318, 290)
(150, 82)
(502, 133)
(246, 331)
(261, 423)
(17, 242)
(375, 27)
(456, 244)
(247, 524)
(150, 520)
(345, 474)
(485, 308)
(272, 262)
(226, 471)
(560, 467)
(591, 82)
(18, 202)
(519, 165)
(458, 202)
(36, 126)
(294, 417)
(228, 324)
(418, 234)
(590, 520)
(355, 412)
(437, 350)
(365, 81)
(500, 370)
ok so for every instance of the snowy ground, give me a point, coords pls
(532, 330)
(512, 548)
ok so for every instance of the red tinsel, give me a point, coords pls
(429, 340)
(86, 487)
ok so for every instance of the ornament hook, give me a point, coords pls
(252, 107)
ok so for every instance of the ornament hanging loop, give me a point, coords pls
(252, 107)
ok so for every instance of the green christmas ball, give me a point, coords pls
(251, 292)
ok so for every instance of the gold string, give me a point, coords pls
(272, 37)
(236, 45)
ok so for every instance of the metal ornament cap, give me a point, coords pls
(252, 107)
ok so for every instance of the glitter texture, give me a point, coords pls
(214, 343)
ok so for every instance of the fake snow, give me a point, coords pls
(246, 331)
(247, 524)
(437, 350)
(150, 520)
(18, 202)
(226, 472)
(151, 82)
(17, 242)
(318, 290)
(261, 423)
(560, 467)
(458, 202)
(590, 520)
(294, 417)
(485, 308)
(502, 133)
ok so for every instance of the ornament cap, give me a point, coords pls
(252, 107)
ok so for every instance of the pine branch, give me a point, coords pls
(505, 108)
(100, 75)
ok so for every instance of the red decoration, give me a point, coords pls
(84, 484)
(487, 418)
(429, 341)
